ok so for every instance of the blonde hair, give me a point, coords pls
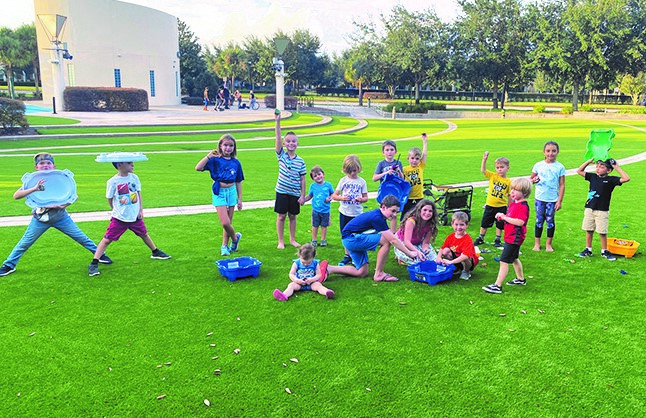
(227, 137)
(415, 151)
(351, 163)
(461, 217)
(502, 160)
(523, 185)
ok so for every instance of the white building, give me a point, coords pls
(113, 44)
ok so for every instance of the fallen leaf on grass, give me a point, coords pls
(293, 360)
(161, 397)
(511, 330)
(212, 345)
(168, 363)
(368, 390)
(288, 391)
(503, 314)
(215, 358)
(530, 277)
(541, 311)
(217, 372)
(207, 402)
(109, 369)
(209, 334)
(159, 366)
(238, 318)
(32, 334)
(484, 264)
(470, 302)
(523, 312)
(284, 364)
(236, 351)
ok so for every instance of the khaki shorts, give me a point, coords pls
(595, 220)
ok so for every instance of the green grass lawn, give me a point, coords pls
(570, 343)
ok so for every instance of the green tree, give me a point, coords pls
(578, 41)
(634, 86)
(191, 61)
(359, 64)
(11, 56)
(309, 64)
(415, 44)
(493, 42)
(26, 35)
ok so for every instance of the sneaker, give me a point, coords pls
(105, 259)
(324, 272)
(224, 250)
(478, 241)
(498, 244)
(5, 270)
(607, 255)
(159, 255)
(346, 260)
(329, 294)
(585, 253)
(492, 288)
(517, 281)
(278, 295)
(465, 275)
(234, 245)
(93, 270)
(323, 243)
(314, 243)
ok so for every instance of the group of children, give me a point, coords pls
(360, 231)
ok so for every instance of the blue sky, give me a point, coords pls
(216, 22)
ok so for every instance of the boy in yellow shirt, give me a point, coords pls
(497, 198)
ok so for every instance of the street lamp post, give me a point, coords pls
(53, 25)
(250, 79)
(279, 66)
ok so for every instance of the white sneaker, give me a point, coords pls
(465, 275)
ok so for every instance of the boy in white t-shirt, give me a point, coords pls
(123, 192)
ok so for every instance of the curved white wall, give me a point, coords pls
(104, 35)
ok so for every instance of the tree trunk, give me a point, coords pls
(417, 92)
(495, 94)
(360, 94)
(575, 95)
(504, 94)
(391, 91)
(36, 82)
(590, 99)
(9, 72)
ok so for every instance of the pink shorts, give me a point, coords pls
(117, 228)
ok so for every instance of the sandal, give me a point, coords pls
(386, 278)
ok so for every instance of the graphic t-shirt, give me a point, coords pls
(515, 234)
(319, 193)
(224, 170)
(547, 189)
(498, 194)
(415, 176)
(384, 166)
(304, 272)
(601, 191)
(124, 192)
(351, 188)
(459, 246)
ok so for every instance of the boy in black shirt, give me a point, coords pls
(598, 204)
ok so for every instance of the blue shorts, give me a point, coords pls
(226, 197)
(358, 246)
(320, 219)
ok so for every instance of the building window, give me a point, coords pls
(117, 77)
(152, 83)
(71, 76)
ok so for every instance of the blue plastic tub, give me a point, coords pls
(430, 272)
(395, 186)
(238, 268)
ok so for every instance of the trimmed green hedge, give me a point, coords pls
(424, 107)
(12, 114)
(105, 99)
(290, 102)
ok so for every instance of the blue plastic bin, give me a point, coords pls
(430, 272)
(395, 186)
(238, 268)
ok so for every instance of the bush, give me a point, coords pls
(539, 109)
(588, 108)
(193, 101)
(105, 99)
(375, 95)
(12, 114)
(567, 110)
(634, 111)
(424, 107)
(290, 102)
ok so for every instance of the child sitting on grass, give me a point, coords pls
(458, 248)
(597, 207)
(515, 231)
(123, 192)
(45, 218)
(414, 174)
(496, 198)
(306, 274)
(417, 232)
(365, 233)
(320, 194)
